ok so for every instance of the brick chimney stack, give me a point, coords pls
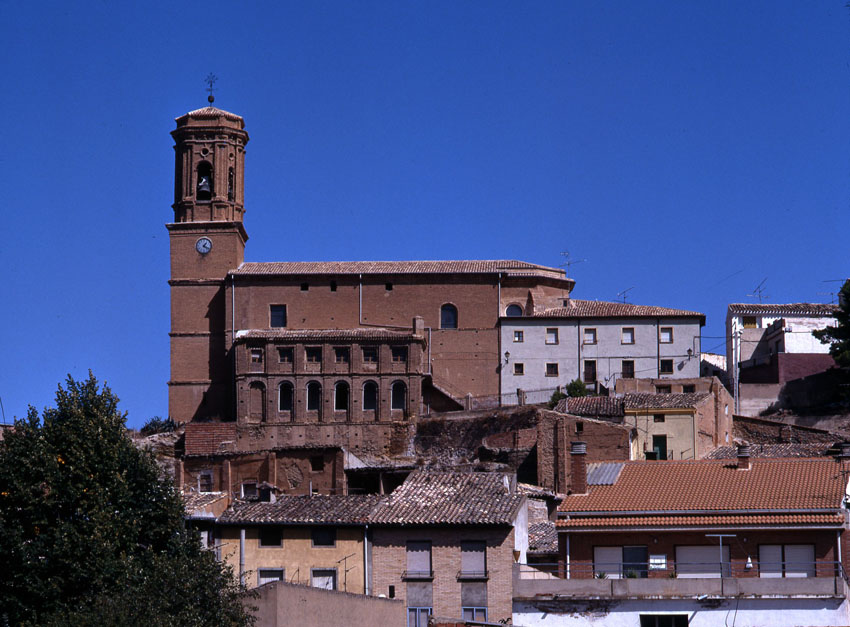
(578, 468)
(743, 457)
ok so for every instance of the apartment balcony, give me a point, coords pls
(538, 581)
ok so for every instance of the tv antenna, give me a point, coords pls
(624, 293)
(831, 295)
(569, 262)
(758, 292)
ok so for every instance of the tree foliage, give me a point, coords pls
(90, 533)
(838, 335)
(576, 387)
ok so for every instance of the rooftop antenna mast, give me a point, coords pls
(758, 292)
(210, 80)
(624, 293)
(568, 262)
(831, 295)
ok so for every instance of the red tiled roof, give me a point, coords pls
(671, 487)
(212, 112)
(453, 498)
(397, 267)
(542, 538)
(789, 449)
(316, 509)
(209, 438)
(816, 309)
(295, 335)
(591, 406)
(603, 309)
(664, 401)
(602, 522)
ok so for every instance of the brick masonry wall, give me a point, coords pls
(389, 561)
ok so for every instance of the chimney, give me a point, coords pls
(578, 468)
(743, 457)
(418, 326)
(843, 452)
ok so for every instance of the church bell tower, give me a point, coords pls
(207, 241)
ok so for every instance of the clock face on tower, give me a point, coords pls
(203, 245)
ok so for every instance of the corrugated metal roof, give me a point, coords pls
(603, 473)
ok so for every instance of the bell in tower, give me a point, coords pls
(209, 147)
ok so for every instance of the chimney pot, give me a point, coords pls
(744, 457)
(578, 468)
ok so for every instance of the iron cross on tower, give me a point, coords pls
(210, 80)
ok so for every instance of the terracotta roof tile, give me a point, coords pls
(203, 504)
(664, 401)
(211, 113)
(602, 522)
(603, 309)
(672, 487)
(295, 335)
(591, 406)
(453, 498)
(209, 438)
(816, 309)
(316, 509)
(795, 449)
(509, 266)
(542, 538)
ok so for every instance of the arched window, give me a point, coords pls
(314, 396)
(341, 396)
(257, 401)
(513, 311)
(284, 396)
(448, 316)
(398, 398)
(204, 189)
(370, 396)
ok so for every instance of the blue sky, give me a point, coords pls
(685, 149)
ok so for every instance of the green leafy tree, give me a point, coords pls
(838, 335)
(91, 533)
(576, 387)
(556, 397)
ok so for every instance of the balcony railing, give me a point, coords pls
(473, 574)
(821, 579)
(417, 574)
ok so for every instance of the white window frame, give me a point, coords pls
(661, 334)
(519, 337)
(552, 332)
(588, 336)
(623, 335)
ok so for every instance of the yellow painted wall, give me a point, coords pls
(678, 426)
(297, 555)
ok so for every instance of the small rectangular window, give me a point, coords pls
(268, 575)
(663, 389)
(579, 427)
(628, 369)
(666, 366)
(389, 287)
(277, 316)
(341, 355)
(284, 355)
(590, 336)
(271, 535)
(323, 536)
(473, 558)
(324, 578)
(665, 335)
(628, 335)
(317, 463)
(370, 355)
(750, 322)
(551, 336)
(399, 354)
(519, 369)
(519, 336)
(688, 388)
(418, 558)
(256, 355)
(551, 370)
(314, 354)
(333, 286)
(305, 287)
(658, 418)
(249, 490)
(205, 481)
